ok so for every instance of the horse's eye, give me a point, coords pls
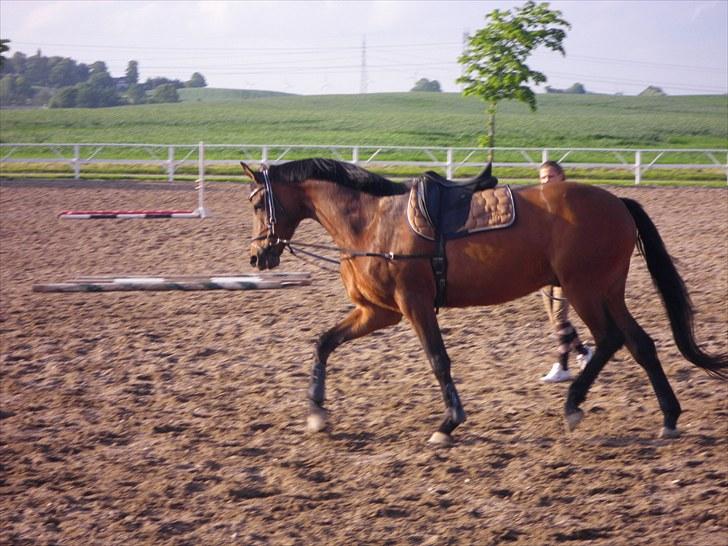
(258, 206)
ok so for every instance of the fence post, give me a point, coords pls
(638, 166)
(201, 161)
(201, 181)
(355, 155)
(449, 171)
(76, 161)
(544, 156)
(264, 154)
(170, 164)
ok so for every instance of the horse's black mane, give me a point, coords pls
(339, 172)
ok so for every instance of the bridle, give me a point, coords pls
(270, 209)
(270, 203)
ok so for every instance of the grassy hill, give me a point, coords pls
(212, 94)
(412, 119)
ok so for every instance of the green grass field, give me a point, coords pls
(220, 116)
(416, 119)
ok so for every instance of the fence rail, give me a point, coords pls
(169, 158)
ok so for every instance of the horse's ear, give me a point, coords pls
(247, 171)
(488, 170)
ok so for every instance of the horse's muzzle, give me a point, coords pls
(265, 258)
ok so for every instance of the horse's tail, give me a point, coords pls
(673, 292)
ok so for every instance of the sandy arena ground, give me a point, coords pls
(178, 417)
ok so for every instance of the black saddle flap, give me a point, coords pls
(445, 203)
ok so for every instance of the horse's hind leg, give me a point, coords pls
(643, 350)
(612, 326)
(608, 340)
(592, 308)
(363, 320)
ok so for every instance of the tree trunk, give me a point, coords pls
(491, 129)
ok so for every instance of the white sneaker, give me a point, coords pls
(583, 360)
(557, 375)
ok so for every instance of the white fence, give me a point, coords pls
(171, 157)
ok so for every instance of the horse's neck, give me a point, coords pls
(346, 214)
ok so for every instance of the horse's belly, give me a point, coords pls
(489, 274)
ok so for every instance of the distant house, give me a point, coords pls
(121, 83)
(653, 91)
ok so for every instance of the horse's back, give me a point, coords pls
(562, 231)
(579, 209)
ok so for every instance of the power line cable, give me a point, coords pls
(309, 50)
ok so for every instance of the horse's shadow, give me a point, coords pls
(354, 441)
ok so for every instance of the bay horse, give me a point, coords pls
(578, 236)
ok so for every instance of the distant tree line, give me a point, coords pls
(61, 82)
(579, 89)
(576, 89)
(423, 84)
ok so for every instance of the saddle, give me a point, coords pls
(440, 209)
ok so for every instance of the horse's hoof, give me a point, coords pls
(667, 433)
(316, 421)
(573, 419)
(440, 439)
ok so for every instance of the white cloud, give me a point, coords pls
(386, 15)
(702, 8)
(34, 17)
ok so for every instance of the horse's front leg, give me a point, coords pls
(423, 319)
(363, 320)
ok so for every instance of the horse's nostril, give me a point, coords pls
(253, 260)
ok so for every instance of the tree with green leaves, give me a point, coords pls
(166, 92)
(15, 90)
(3, 48)
(423, 84)
(65, 98)
(197, 80)
(63, 73)
(494, 62)
(135, 94)
(132, 73)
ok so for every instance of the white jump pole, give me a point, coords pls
(199, 212)
(201, 181)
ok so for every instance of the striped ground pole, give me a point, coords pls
(131, 283)
(128, 214)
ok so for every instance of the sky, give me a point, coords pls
(320, 47)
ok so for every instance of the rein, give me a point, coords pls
(348, 254)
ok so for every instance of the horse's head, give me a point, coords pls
(274, 220)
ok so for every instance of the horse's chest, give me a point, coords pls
(371, 280)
